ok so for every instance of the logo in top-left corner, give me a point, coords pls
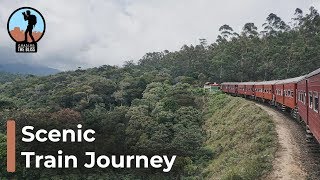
(26, 26)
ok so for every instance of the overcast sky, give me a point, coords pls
(91, 33)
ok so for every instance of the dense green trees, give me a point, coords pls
(141, 112)
(280, 50)
(8, 77)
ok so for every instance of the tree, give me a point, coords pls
(226, 32)
(249, 30)
(274, 25)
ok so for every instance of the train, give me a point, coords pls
(299, 96)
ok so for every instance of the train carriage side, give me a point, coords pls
(290, 95)
(233, 88)
(258, 90)
(229, 87)
(302, 100)
(279, 92)
(313, 88)
(241, 89)
(249, 89)
(224, 87)
(286, 92)
(268, 90)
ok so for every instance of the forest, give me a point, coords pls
(156, 105)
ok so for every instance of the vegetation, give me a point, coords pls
(8, 77)
(280, 50)
(157, 107)
(242, 137)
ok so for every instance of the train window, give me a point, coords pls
(304, 98)
(299, 97)
(310, 100)
(316, 101)
(292, 94)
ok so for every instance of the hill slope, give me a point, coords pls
(242, 137)
(27, 69)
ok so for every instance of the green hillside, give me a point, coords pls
(8, 77)
(242, 137)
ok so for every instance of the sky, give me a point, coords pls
(89, 33)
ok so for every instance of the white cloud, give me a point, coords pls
(94, 32)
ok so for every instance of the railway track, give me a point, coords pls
(298, 155)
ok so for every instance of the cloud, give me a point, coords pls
(90, 33)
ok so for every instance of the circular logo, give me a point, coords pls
(26, 25)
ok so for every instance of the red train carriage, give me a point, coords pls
(230, 87)
(233, 88)
(249, 88)
(311, 105)
(224, 87)
(301, 93)
(268, 90)
(241, 89)
(285, 92)
(264, 90)
(279, 92)
(302, 100)
(258, 90)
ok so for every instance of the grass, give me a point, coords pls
(242, 137)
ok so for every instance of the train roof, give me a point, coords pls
(291, 80)
(230, 83)
(266, 82)
(246, 83)
(313, 73)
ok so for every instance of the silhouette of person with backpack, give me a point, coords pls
(32, 21)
